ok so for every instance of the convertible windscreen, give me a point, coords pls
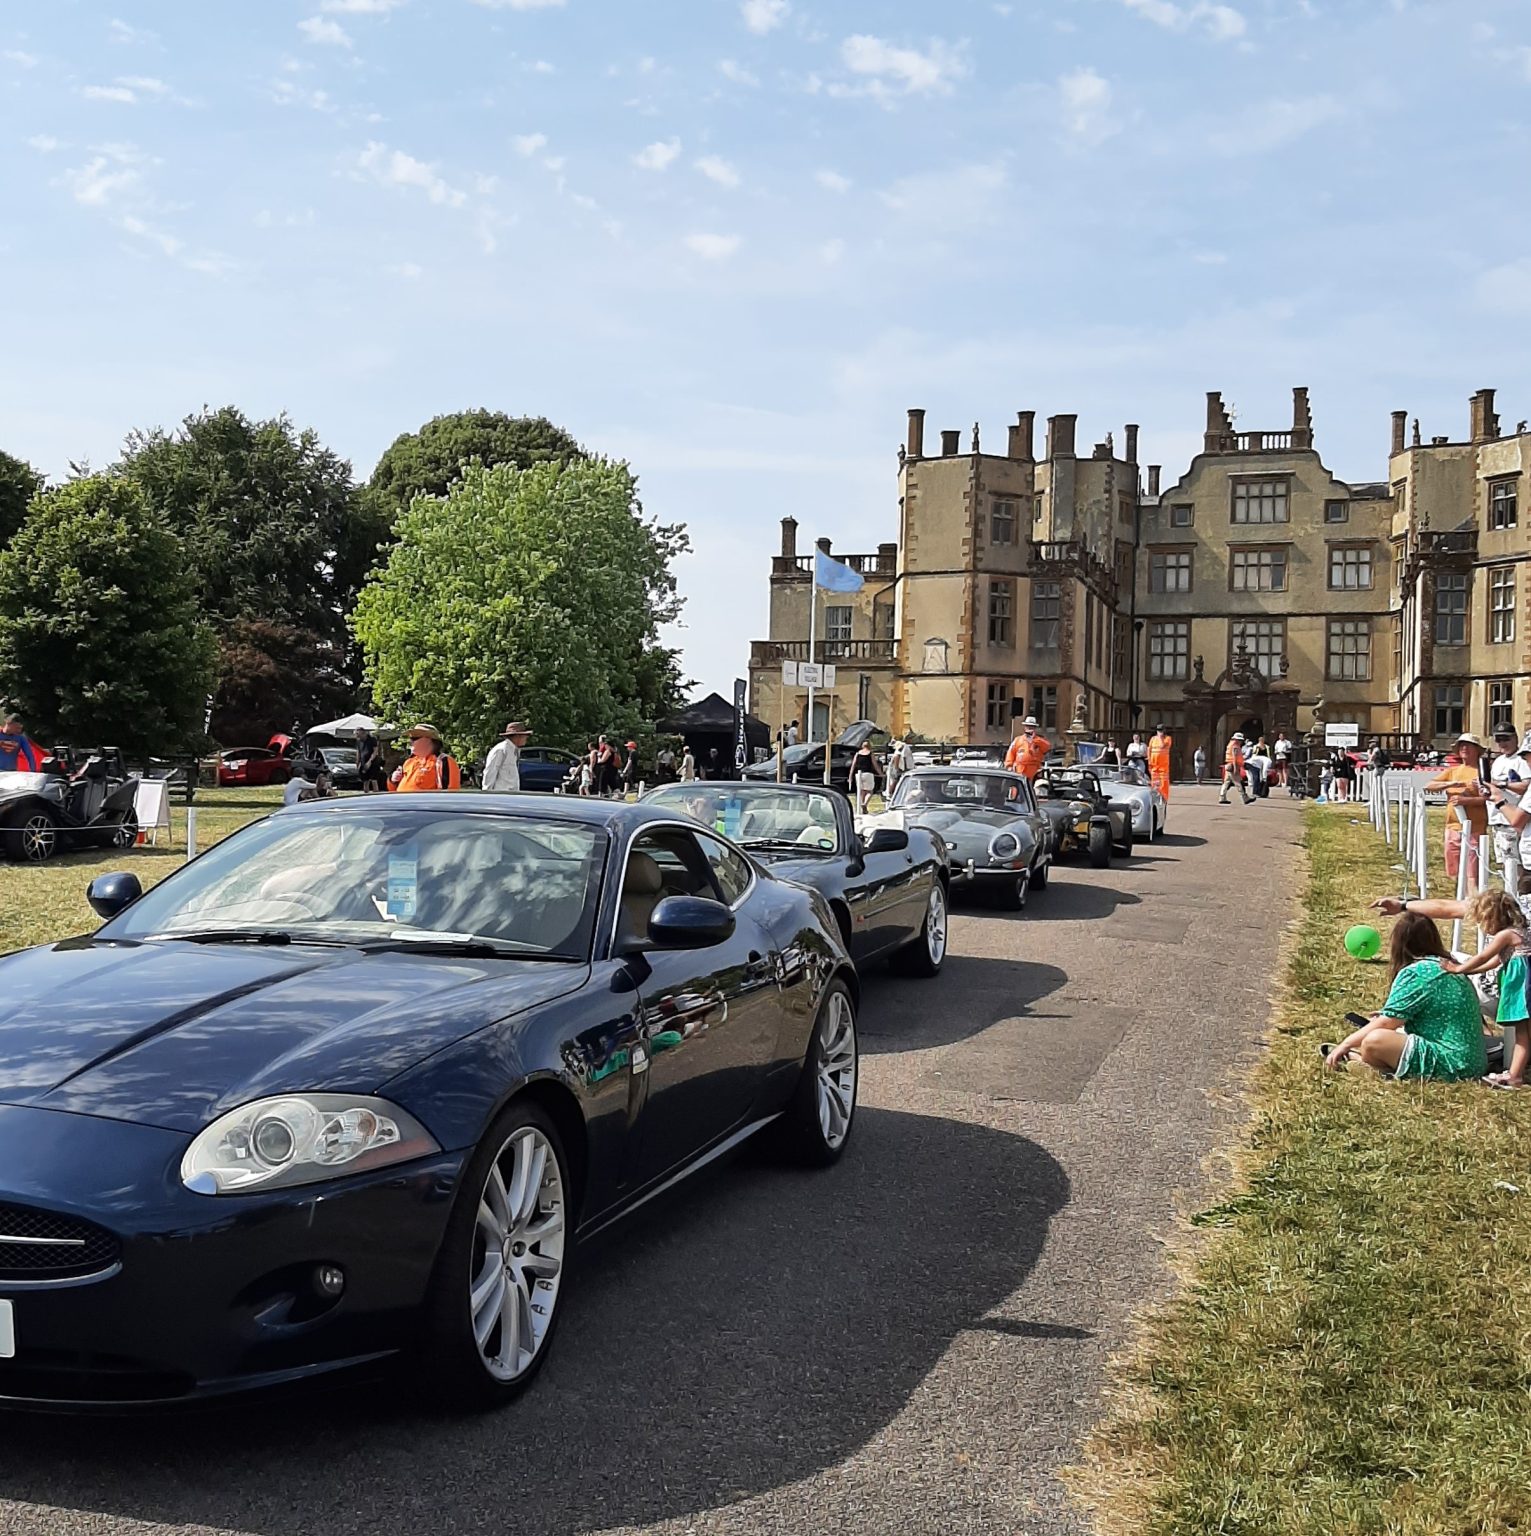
(990, 790)
(522, 885)
(751, 816)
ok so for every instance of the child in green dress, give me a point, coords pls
(1499, 914)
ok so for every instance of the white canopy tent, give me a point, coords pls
(351, 725)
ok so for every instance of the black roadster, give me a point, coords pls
(92, 807)
(1085, 820)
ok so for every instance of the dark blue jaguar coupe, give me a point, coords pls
(354, 1083)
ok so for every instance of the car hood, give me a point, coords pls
(174, 1034)
(948, 820)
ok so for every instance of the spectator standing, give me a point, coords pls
(1159, 761)
(1199, 762)
(1281, 757)
(1344, 775)
(894, 770)
(714, 763)
(1510, 773)
(428, 765)
(1028, 751)
(664, 764)
(687, 764)
(607, 768)
(18, 752)
(369, 762)
(792, 734)
(630, 769)
(863, 775)
(1466, 804)
(1112, 756)
(1137, 750)
(502, 768)
(1233, 770)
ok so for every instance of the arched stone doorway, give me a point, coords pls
(1242, 699)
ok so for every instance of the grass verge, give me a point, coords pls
(1351, 1349)
(42, 903)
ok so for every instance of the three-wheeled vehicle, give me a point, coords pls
(86, 800)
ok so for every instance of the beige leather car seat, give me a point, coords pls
(641, 890)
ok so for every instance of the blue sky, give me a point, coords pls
(733, 242)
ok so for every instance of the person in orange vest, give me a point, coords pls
(427, 766)
(1159, 745)
(1029, 750)
(1233, 770)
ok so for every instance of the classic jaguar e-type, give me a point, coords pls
(987, 816)
(886, 888)
(94, 807)
(1086, 819)
(352, 1085)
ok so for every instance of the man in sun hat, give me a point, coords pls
(1511, 773)
(1466, 805)
(1233, 770)
(502, 768)
(1029, 750)
(428, 766)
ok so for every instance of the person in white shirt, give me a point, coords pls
(687, 765)
(1282, 752)
(1137, 748)
(792, 734)
(1511, 772)
(502, 768)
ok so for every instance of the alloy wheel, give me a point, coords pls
(935, 924)
(518, 1254)
(837, 1071)
(39, 838)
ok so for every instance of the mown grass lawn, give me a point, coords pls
(44, 902)
(1351, 1351)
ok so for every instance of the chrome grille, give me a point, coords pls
(41, 1245)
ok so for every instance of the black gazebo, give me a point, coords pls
(709, 724)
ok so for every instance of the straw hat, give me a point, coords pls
(416, 732)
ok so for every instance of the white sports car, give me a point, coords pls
(1150, 809)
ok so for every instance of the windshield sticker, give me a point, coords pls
(403, 882)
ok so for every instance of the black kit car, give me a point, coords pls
(353, 1084)
(887, 888)
(1086, 821)
(93, 807)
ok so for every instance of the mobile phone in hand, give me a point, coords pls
(1356, 1020)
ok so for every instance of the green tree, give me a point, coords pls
(279, 540)
(19, 483)
(101, 641)
(533, 594)
(427, 462)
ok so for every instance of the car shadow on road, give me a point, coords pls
(1180, 840)
(898, 1017)
(755, 1329)
(1076, 900)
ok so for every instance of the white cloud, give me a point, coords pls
(542, 67)
(21, 57)
(43, 143)
(1086, 102)
(518, 5)
(1270, 124)
(832, 181)
(393, 168)
(1220, 21)
(113, 169)
(361, 7)
(951, 202)
(167, 243)
(285, 94)
(716, 168)
(730, 70)
(763, 16)
(659, 156)
(123, 33)
(145, 85)
(120, 93)
(406, 269)
(528, 144)
(329, 34)
(713, 247)
(915, 73)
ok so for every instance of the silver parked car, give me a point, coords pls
(1130, 786)
(996, 838)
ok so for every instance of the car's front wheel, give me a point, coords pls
(503, 1265)
(818, 1123)
(923, 955)
(32, 836)
(1099, 848)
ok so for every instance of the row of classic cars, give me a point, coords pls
(350, 1088)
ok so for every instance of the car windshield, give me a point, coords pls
(339, 757)
(758, 817)
(526, 883)
(993, 791)
(1130, 774)
(1075, 785)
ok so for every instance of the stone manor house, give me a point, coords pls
(1254, 593)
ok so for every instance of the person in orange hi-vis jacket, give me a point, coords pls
(1029, 750)
(1159, 745)
(1233, 770)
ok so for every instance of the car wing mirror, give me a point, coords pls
(887, 840)
(110, 894)
(689, 922)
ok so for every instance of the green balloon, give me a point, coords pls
(1363, 942)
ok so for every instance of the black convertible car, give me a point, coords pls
(89, 807)
(887, 890)
(353, 1084)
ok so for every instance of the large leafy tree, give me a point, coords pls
(101, 640)
(533, 594)
(19, 483)
(279, 541)
(427, 462)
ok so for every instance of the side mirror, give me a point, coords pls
(110, 894)
(689, 922)
(887, 840)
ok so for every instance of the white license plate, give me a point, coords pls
(7, 1330)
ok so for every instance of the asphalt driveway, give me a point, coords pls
(913, 1342)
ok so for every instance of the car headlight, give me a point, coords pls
(1004, 847)
(1080, 807)
(300, 1139)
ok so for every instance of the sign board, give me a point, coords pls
(1342, 735)
(151, 804)
(789, 671)
(741, 738)
(810, 674)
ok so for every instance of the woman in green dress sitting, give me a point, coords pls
(1430, 1025)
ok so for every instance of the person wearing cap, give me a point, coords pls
(1510, 773)
(1233, 770)
(427, 766)
(1159, 745)
(1029, 750)
(1466, 804)
(502, 768)
(630, 768)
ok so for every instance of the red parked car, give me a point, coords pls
(247, 767)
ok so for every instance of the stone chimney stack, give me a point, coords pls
(1219, 425)
(951, 444)
(789, 538)
(1485, 423)
(1060, 436)
(826, 546)
(1302, 419)
(1400, 425)
(1023, 437)
(1130, 446)
(1153, 479)
(915, 447)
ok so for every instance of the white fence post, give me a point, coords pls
(1387, 825)
(1421, 844)
(191, 832)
